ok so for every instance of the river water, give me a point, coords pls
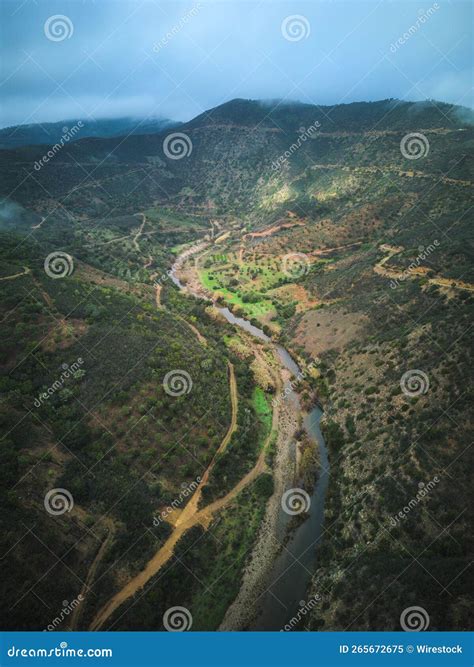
(292, 569)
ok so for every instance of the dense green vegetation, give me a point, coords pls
(109, 433)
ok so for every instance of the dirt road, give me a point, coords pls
(77, 613)
(189, 517)
(25, 272)
(139, 233)
(415, 272)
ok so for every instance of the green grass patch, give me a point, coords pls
(258, 309)
(262, 408)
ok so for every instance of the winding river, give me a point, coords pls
(292, 569)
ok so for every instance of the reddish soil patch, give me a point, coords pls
(326, 329)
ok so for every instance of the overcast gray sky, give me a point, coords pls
(109, 58)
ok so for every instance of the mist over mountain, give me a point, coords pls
(244, 137)
(283, 115)
(390, 114)
(50, 133)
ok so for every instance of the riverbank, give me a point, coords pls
(255, 578)
(255, 606)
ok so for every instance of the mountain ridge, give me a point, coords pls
(45, 134)
(389, 113)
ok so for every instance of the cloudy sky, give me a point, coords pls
(66, 59)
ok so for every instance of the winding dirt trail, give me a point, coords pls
(189, 517)
(162, 556)
(115, 240)
(413, 173)
(39, 224)
(194, 329)
(455, 284)
(158, 296)
(140, 231)
(274, 229)
(25, 272)
(189, 325)
(192, 506)
(182, 319)
(416, 272)
(77, 613)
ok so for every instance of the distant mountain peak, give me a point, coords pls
(289, 115)
(102, 128)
